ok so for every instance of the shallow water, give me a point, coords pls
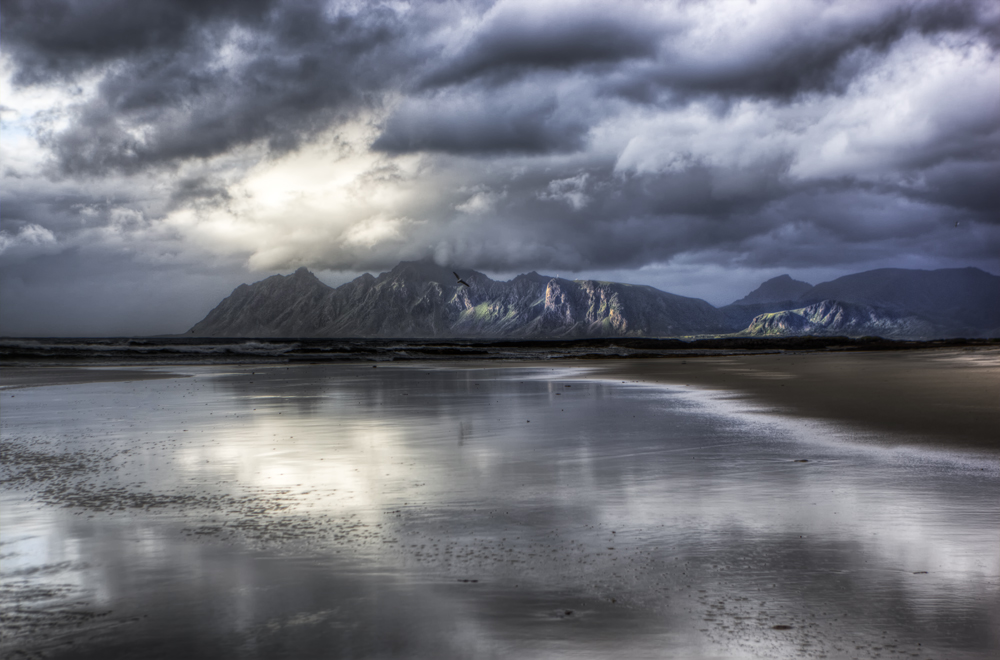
(432, 511)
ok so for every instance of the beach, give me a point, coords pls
(945, 398)
(948, 397)
(742, 506)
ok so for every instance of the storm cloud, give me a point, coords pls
(647, 141)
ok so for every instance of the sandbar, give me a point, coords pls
(948, 397)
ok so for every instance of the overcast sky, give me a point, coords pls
(155, 154)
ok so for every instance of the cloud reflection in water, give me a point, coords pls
(447, 512)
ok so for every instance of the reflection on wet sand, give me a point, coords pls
(439, 512)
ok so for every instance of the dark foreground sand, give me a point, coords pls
(950, 398)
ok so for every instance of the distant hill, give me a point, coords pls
(776, 290)
(419, 299)
(959, 301)
(775, 295)
(832, 317)
(915, 304)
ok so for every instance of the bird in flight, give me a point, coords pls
(460, 280)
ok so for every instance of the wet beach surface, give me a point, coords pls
(30, 376)
(479, 512)
(946, 397)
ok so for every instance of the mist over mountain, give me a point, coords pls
(419, 299)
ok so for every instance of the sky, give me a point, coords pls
(155, 154)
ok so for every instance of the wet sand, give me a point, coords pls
(947, 398)
(478, 511)
(18, 377)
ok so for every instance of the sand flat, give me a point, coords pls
(947, 397)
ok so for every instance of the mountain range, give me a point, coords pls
(419, 299)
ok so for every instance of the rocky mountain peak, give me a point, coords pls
(777, 289)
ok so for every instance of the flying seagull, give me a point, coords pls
(460, 280)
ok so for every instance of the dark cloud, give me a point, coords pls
(193, 80)
(198, 190)
(824, 53)
(201, 83)
(563, 136)
(701, 190)
(522, 39)
(58, 39)
(58, 212)
(969, 185)
(482, 125)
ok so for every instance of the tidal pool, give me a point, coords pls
(439, 511)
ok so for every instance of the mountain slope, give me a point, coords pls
(421, 299)
(961, 301)
(889, 302)
(775, 290)
(739, 316)
(288, 306)
(831, 317)
(586, 308)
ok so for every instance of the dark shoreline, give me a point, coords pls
(167, 351)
